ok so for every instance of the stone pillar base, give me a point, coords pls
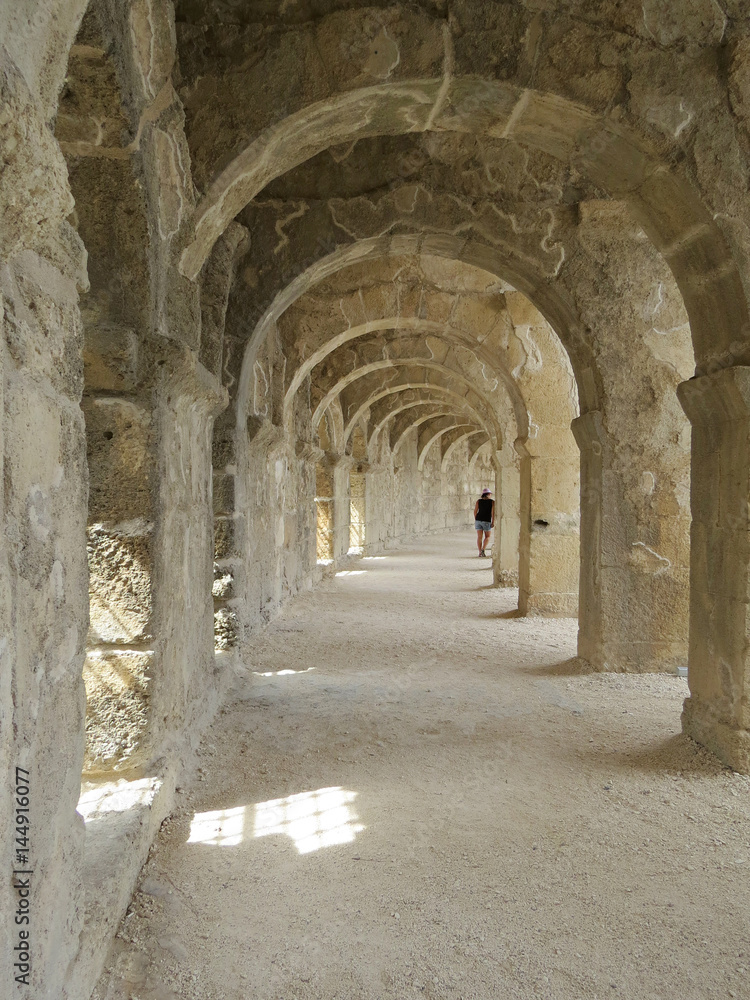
(639, 657)
(549, 605)
(731, 745)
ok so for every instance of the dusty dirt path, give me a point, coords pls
(496, 825)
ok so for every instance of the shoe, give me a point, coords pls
(481, 554)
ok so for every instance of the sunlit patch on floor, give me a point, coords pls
(313, 820)
(351, 572)
(281, 673)
(219, 828)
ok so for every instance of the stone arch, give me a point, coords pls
(337, 380)
(478, 442)
(664, 203)
(426, 407)
(434, 422)
(434, 432)
(423, 327)
(498, 260)
(486, 256)
(553, 451)
(409, 373)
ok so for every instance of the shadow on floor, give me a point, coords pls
(676, 754)
(572, 667)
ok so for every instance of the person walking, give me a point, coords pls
(484, 520)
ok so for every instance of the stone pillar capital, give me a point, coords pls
(719, 398)
(176, 371)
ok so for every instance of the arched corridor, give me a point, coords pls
(412, 792)
(284, 287)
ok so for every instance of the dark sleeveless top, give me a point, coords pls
(484, 510)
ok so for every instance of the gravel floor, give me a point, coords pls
(435, 803)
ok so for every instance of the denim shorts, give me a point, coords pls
(483, 525)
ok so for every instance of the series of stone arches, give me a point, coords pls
(233, 242)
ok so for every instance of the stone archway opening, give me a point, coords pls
(118, 669)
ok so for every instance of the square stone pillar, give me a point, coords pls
(357, 509)
(507, 526)
(341, 507)
(633, 583)
(589, 434)
(717, 712)
(549, 537)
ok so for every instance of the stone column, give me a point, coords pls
(507, 526)
(549, 539)
(589, 434)
(633, 586)
(340, 476)
(187, 398)
(379, 508)
(358, 513)
(717, 712)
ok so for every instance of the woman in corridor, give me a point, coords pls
(484, 520)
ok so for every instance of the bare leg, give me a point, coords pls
(479, 539)
(486, 541)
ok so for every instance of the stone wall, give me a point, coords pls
(44, 604)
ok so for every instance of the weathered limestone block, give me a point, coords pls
(34, 196)
(217, 278)
(118, 686)
(90, 117)
(38, 35)
(144, 37)
(119, 435)
(110, 358)
(114, 231)
(338, 52)
(119, 586)
(224, 485)
(223, 537)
